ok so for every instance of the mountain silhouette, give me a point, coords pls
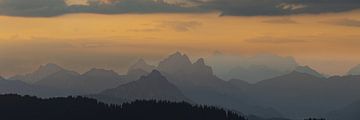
(142, 65)
(42, 72)
(14, 86)
(197, 82)
(299, 95)
(97, 80)
(308, 70)
(250, 68)
(293, 94)
(175, 63)
(138, 69)
(93, 81)
(290, 80)
(253, 73)
(180, 70)
(151, 87)
(63, 79)
(355, 70)
(22, 88)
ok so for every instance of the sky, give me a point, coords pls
(80, 34)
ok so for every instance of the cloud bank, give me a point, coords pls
(48, 8)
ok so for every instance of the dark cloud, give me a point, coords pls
(32, 7)
(281, 7)
(45, 8)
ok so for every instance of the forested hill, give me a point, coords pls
(16, 107)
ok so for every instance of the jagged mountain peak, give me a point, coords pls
(174, 63)
(179, 57)
(200, 61)
(180, 67)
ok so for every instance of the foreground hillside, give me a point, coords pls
(17, 107)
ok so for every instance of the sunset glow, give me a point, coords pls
(314, 40)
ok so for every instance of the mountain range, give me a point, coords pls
(250, 68)
(23, 88)
(198, 82)
(42, 72)
(298, 93)
(56, 77)
(93, 81)
(253, 73)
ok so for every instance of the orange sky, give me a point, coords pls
(327, 42)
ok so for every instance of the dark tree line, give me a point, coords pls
(16, 107)
(315, 119)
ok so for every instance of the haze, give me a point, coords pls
(328, 42)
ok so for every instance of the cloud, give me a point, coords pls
(76, 2)
(345, 22)
(47, 8)
(181, 26)
(287, 6)
(271, 7)
(32, 7)
(271, 40)
(281, 21)
(145, 30)
(34, 43)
